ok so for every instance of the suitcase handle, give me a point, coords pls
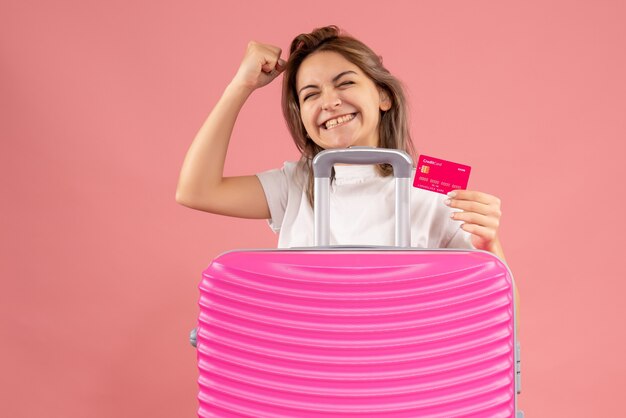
(402, 166)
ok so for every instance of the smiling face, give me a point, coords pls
(339, 105)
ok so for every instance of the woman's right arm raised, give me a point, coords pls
(201, 184)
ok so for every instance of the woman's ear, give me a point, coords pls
(385, 100)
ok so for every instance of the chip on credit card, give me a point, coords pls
(440, 176)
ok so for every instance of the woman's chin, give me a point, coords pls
(337, 143)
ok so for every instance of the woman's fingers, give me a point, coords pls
(474, 196)
(260, 65)
(477, 219)
(480, 213)
(270, 58)
(278, 66)
(267, 56)
(487, 234)
(478, 202)
(481, 208)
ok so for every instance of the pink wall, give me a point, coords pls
(100, 100)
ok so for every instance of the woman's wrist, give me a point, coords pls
(240, 89)
(496, 248)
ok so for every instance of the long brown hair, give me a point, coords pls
(393, 126)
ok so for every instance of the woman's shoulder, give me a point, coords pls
(288, 168)
(292, 173)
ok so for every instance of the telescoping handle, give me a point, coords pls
(324, 161)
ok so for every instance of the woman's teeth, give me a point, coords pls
(338, 121)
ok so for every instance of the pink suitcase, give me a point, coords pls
(358, 331)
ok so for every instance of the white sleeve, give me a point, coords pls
(276, 188)
(460, 239)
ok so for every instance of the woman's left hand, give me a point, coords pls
(481, 216)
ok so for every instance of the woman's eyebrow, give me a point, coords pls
(335, 78)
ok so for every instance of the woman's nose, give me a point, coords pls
(330, 100)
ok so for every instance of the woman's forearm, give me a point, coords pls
(203, 166)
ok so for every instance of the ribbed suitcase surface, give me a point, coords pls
(356, 333)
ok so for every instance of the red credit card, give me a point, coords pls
(440, 176)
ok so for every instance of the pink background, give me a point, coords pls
(100, 100)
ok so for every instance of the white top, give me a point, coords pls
(362, 210)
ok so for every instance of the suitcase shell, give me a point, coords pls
(357, 332)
